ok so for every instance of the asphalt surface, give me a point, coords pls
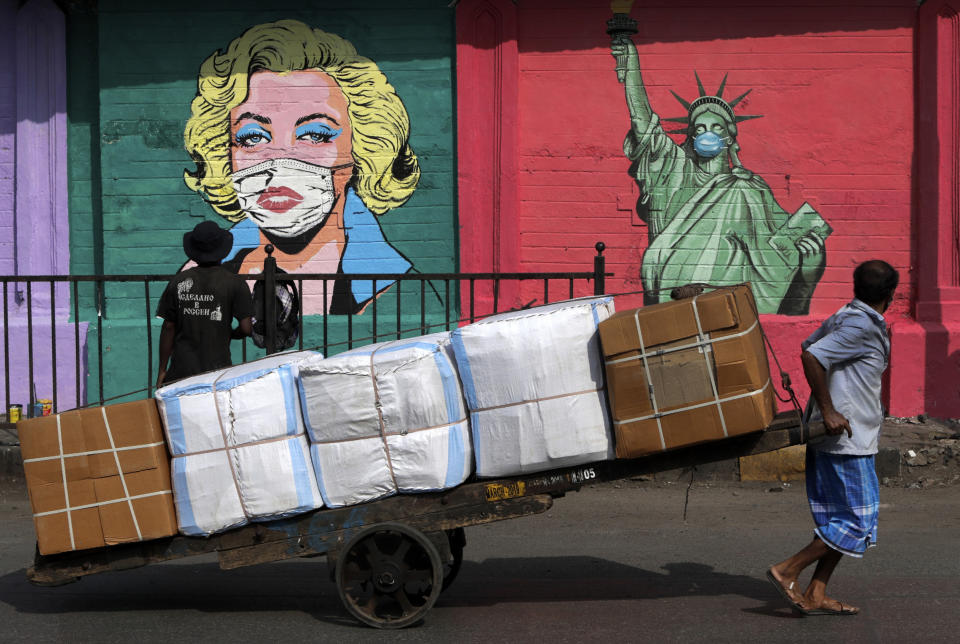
(615, 562)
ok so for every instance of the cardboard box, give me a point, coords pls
(687, 372)
(117, 476)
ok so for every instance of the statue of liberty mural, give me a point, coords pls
(711, 220)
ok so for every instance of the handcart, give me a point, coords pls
(391, 558)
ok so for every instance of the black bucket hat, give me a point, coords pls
(207, 243)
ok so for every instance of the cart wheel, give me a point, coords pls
(458, 539)
(389, 575)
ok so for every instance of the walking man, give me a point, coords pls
(198, 308)
(843, 362)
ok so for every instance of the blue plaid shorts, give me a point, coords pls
(844, 496)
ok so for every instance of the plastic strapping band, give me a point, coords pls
(533, 400)
(101, 503)
(697, 406)
(275, 439)
(93, 452)
(706, 357)
(66, 493)
(123, 481)
(379, 406)
(226, 446)
(690, 345)
(386, 433)
(646, 368)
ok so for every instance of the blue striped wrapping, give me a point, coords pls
(844, 496)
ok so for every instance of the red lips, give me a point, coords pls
(279, 199)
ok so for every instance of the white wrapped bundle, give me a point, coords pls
(533, 381)
(266, 480)
(386, 418)
(239, 447)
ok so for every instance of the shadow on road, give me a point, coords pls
(551, 579)
(305, 586)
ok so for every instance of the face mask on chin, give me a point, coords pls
(286, 197)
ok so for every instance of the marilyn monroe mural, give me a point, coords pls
(302, 143)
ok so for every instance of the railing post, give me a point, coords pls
(270, 301)
(599, 269)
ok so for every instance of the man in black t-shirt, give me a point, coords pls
(198, 308)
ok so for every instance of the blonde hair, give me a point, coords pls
(386, 170)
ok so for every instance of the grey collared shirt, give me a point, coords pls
(853, 347)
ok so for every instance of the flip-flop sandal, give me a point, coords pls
(784, 592)
(844, 610)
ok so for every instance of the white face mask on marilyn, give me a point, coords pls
(286, 197)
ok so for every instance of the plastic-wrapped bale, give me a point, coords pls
(239, 445)
(533, 381)
(386, 418)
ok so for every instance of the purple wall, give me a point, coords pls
(8, 123)
(34, 229)
(43, 241)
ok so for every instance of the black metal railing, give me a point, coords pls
(59, 343)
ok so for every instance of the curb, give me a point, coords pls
(789, 464)
(889, 465)
(11, 463)
(779, 466)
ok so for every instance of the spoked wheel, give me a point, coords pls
(457, 539)
(389, 575)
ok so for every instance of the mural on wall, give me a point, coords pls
(711, 220)
(302, 143)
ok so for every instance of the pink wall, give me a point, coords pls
(837, 128)
(925, 366)
(835, 86)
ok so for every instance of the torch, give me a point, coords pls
(620, 27)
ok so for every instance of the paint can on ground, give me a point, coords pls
(42, 407)
(14, 413)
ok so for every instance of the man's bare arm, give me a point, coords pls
(244, 329)
(834, 422)
(167, 333)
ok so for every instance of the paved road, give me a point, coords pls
(608, 564)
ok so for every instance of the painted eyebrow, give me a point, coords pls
(254, 117)
(314, 116)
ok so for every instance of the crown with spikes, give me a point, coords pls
(704, 98)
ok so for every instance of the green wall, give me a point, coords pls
(132, 74)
